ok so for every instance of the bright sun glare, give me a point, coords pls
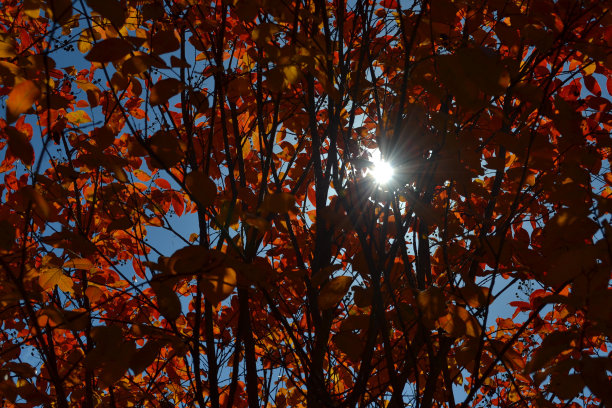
(381, 171)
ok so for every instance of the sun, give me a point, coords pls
(381, 170)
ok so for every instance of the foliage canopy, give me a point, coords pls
(188, 216)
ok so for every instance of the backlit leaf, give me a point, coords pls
(7, 46)
(78, 117)
(21, 99)
(334, 291)
(51, 277)
(79, 263)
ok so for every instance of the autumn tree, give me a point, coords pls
(198, 207)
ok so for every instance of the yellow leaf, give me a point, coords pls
(85, 42)
(292, 73)
(78, 117)
(334, 291)
(7, 46)
(589, 69)
(55, 276)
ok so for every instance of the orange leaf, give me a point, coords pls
(78, 263)
(55, 276)
(21, 99)
(93, 293)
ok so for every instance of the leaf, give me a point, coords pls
(278, 203)
(264, 33)
(93, 293)
(21, 99)
(137, 64)
(7, 46)
(167, 300)
(202, 189)
(190, 260)
(218, 284)
(79, 263)
(111, 49)
(510, 357)
(78, 117)
(432, 303)
(552, 345)
(20, 146)
(60, 11)
(334, 291)
(145, 356)
(165, 41)
(167, 149)
(592, 85)
(7, 235)
(51, 277)
(459, 322)
(164, 90)
(566, 386)
(178, 63)
(350, 344)
(110, 9)
(473, 295)
(291, 73)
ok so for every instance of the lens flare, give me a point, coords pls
(381, 171)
